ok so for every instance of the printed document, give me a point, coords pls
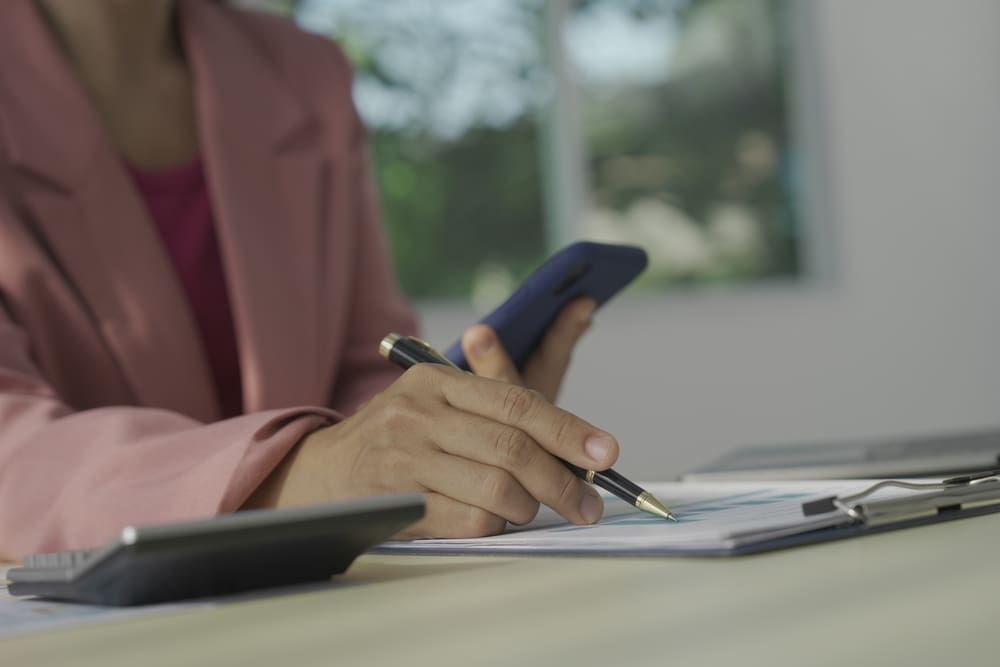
(713, 518)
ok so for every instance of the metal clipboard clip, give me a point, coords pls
(952, 494)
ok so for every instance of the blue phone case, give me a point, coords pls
(584, 268)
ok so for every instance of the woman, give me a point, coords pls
(193, 285)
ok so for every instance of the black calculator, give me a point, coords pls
(222, 555)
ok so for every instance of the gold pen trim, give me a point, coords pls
(390, 340)
(385, 347)
(647, 503)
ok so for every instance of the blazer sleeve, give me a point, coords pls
(72, 479)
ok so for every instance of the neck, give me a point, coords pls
(116, 39)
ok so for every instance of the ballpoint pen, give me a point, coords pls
(405, 351)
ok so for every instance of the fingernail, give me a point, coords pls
(591, 507)
(598, 447)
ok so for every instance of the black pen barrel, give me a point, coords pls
(610, 481)
(404, 353)
(618, 485)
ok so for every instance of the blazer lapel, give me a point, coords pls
(97, 229)
(266, 176)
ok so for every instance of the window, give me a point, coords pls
(687, 144)
(503, 129)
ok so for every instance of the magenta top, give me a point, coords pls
(179, 203)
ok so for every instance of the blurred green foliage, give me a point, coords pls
(718, 131)
(449, 209)
(453, 91)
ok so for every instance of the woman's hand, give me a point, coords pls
(546, 368)
(484, 452)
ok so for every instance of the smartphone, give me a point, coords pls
(584, 268)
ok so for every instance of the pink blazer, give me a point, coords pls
(108, 414)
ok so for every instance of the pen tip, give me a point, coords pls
(648, 503)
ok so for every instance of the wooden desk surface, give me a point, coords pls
(914, 597)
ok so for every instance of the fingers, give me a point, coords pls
(490, 445)
(561, 433)
(512, 469)
(447, 517)
(472, 482)
(487, 356)
(547, 366)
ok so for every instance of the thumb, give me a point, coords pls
(487, 356)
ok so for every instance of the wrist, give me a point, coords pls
(278, 488)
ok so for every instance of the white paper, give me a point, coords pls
(713, 517)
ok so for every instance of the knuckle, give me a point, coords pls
(514, 449)
(498, 487)
(519, 403)
(480, 523)
(568, 492)
(399, 413)
(562, 425)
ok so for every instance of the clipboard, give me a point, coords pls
(954, 498)
(949, 495)
(721, 519)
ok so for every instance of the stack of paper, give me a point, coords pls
(713, 518)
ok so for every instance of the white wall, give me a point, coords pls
(903, 333)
